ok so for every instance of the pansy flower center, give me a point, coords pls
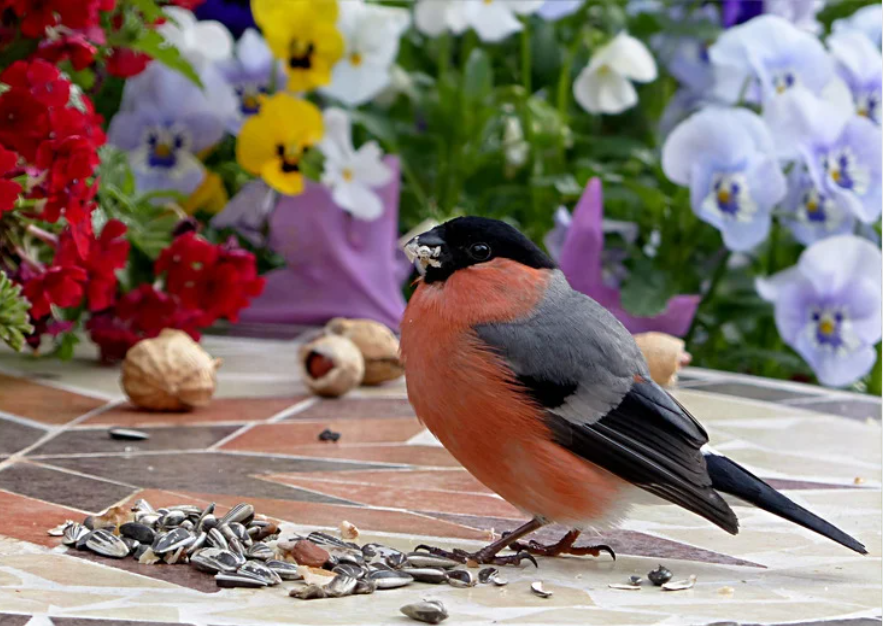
(828, 328)
(163, 146)
(289, 157)
(347, 174)
(355, 59)
(844, 170)
(250, 97)
(868, 105)
(300, 54)
(784, 80)
(730, 198)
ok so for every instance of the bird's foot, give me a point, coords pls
(482, 557)
(564, 546)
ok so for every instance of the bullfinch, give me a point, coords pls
(545, 398)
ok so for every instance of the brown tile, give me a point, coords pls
(85, 621)
(15, 436)
(181, 574)
(210, 472)
(401, 454)
(458, 480)
(9, 619)
(96, 440)
(330, 515)
(403, 498)
(625, 542)
(41, 403)
(28, 519)
(350, 408)
(50, 485)
(236, 410)
(280, 438)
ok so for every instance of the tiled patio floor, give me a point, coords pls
(258, 442)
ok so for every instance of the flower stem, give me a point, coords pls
(713, 286)
(27, 260)
(44, 236)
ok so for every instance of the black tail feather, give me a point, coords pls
(729, 477)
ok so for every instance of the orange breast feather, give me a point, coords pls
(465, 395)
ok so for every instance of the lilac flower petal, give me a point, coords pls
(862, 300)
(203, 131)
(553, 10)
(336, 265)
(867, 20)
(833, 369)
(832, 264)
(813, 214)
(127, 128)
(247, 211)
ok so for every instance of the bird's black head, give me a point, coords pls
(467, 241)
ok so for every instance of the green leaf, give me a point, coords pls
(114, 171)
(478, 79)
(155, 46)
(65, 344)
(149, 10)
(647, 290)
(151, 236)
(13, 314)
(379, 126)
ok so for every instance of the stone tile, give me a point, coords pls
(15, 436)
(28, 519)
(350, 408)
(623, 542)
(179, 574)
(853, 408)
(321, 514)
(430, 456)
(753, 392)
(234, 410)
(281, 438)
(449, 479)
(415, 499)
(85, 621)
(215, 472)
(96, 440)
(709, 407)
(50, 485)
(9, 619)
(42, 403)
(66, 569)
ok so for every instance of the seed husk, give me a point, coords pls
(390, 579)
(237, 580)
(424, 559)
(340, 586)
(73, 533)
(538, 589)
(461, 578)
(429, 611)
(680, 585)
(431, 575)
(105, 543)
(127, 434)
(659, 576)
(138, 531)
(172, 540)
(308, 592)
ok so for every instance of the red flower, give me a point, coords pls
(190, 5)
(74, 202)
(67, 160)
(113, 336)
(230, 285)
(24, 122)
(9, 189)
(70, 122)
(58, 285)
(39, 78)
(186, 262)
(125, 63)
(102, 257)
(36, 16)
(73, 46)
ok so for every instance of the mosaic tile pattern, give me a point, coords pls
(258, 441)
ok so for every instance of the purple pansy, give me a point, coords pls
(801, 13)
(768, 56)
(582, 257)
(726, 158)
(812, 213)
(860, 65)
(251, 75)
(866, 20)
(686, 57)
(553, 10)
(247, 211)
(827, 307)
(165, 121)
(234, 14)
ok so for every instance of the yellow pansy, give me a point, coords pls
(272, 142)
(210, 196)
(302, 34)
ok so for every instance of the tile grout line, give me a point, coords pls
(82, 391)
(65, 470)
(24, 421)
(225, 440)
(52, 433)
(301, 406)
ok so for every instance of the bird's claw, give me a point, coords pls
(534, 547)
(479, 558)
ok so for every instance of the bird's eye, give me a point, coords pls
(480, 251)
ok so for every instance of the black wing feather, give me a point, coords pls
(652, 442)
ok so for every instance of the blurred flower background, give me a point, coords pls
(707, 169)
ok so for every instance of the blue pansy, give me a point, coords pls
(811, 213)
(827, 307)
(867, 20)
(725, 156)
(860, 65)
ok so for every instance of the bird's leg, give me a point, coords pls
(564, 546)
(488, 554)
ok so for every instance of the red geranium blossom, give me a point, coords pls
(124, 63)
(230, 283)
(186, 262)
(36, 16)
(39, 78)
(73, 202)
(73, 46)
(58, 285)
(67, 160)
(24, 122)
(71, 122)
(103, 256)
(9, 189)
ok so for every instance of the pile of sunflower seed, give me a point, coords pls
(242, 549)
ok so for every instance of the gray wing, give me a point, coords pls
(584, 370)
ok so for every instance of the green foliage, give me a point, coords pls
(154, 45)
(13, 314)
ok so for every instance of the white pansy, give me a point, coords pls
(492, 20)
(352, 175)
(207, 39)
(604, 85)
(371, 34)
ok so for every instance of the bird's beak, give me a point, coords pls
(425, 250)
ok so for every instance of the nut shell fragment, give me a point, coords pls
(377, 343)
(665, 356)
(331, 365)
(170, 372)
